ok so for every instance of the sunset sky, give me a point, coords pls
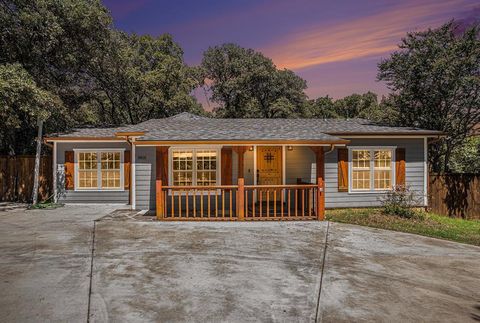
(334, 45)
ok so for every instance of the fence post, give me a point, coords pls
(320, 200)
(159, 198)
(241, 199)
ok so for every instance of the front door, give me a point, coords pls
(269, 167)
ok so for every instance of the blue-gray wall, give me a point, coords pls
(145, 178)
(71, 196)
(414, 160)
(300, 163)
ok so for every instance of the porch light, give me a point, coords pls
(250, 148)
(290, 148)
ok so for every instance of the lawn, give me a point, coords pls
(426, 224)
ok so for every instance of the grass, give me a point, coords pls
(425, 224)
(46, 205)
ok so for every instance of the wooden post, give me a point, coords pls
(320, 200)
(36, 172)
(159, 200)
(241, 199)
(320, 161)
(240, 150)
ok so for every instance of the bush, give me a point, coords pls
(400, 201)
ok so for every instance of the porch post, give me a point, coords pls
(160, 207)
(320, 162)
(240, 150)
(241, 199)
(161, 176)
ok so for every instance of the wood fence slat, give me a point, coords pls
(16, 178)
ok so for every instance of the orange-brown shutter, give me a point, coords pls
(162, 164)
(126, 168)
(69, 170)
(226, 170)
(400, 166)
(342, 169)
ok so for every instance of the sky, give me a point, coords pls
(334, 45)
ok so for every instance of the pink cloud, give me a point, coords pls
(363, 37)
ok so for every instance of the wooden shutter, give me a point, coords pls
(400, 166)
(162, 164)
(226, 170)
(69, 170)
(342, 169)
(126, 169)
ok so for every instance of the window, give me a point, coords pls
(110, 169)
(99, 170)
(87, 170)
(194, 167)
(371, 169)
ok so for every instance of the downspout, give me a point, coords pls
(131, 188)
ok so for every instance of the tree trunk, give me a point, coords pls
(37, 162)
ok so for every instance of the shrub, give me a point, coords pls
(400, 201)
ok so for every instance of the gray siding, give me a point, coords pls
(299, 162)
(71, 196)
(145, 171)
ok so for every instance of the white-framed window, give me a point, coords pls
(371, 169)
(99, 170)
(194, 166)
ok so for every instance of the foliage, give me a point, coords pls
(466, 157)
(142, 77)
(22, 104)
(400, 201)
(430, 225)
(353, 106)
(436, 85)
(247, 84)
(98, 75)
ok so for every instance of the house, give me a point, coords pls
(192, 167)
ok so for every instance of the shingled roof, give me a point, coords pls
(189, 127)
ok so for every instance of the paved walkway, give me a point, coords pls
(236, 272)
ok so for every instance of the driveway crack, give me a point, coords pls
(91, 270)
(321, 275)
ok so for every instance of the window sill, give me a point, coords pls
(370, 192)
(97, 190)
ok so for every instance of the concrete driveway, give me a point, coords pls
(304, 271)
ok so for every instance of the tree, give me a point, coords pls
(353, 106)
(466, 157)
(53, 42)
(142, 77)
(358, 106)
(23, 104)
(247, 84)
(435, 79)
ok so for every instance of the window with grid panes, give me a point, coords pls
(87, 170)
(194, 167)
(371, 169)
(99, 170)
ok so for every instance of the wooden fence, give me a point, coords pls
(455, 195)
(16, 178)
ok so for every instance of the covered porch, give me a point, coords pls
(259, 181)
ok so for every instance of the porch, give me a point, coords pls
(266, 193)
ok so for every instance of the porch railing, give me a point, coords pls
(241, 202)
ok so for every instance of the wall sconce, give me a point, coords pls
(250, 148)
(290, 148)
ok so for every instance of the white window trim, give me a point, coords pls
(372, 189)
(99, 182)
(194, 148)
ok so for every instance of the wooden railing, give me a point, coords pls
(241, 202)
